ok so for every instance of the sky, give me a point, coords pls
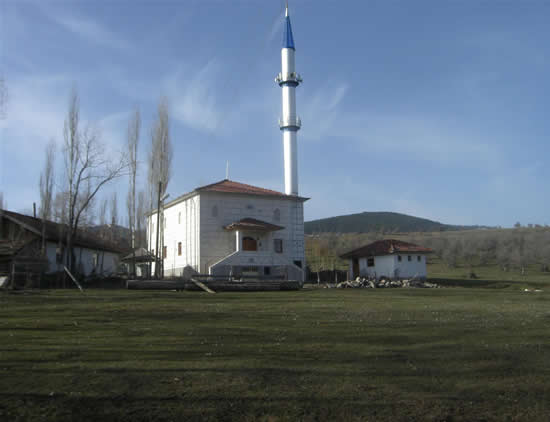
(437, 109)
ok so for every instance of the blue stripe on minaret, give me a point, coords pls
(288, 39)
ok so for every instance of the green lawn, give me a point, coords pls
(316, 355)
(487, 276)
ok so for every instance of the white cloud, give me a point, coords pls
(194, 97)
(321, 111)
(417, 136)
(421, 138)
(87, 28)
(276, 26)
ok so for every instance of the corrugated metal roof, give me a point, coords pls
(253, 224)
(385, 247)
(58, 232)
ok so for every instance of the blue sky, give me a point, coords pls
(437, 109)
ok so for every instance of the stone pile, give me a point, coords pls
(366, 283)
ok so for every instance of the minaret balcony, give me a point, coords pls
(290, 122)
(292, 78)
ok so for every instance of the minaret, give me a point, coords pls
(289, 123)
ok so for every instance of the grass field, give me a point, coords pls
(454, 354)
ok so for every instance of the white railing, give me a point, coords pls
(292, 121)
(288, 77)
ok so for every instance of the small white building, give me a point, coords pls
(388, 259)
(232, 228)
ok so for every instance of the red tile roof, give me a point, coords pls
(253, 224)
(385, 247)
(230, 186)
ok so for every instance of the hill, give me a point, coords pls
(388, 222)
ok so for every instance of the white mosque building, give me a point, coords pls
(234, 228)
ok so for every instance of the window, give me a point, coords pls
(419, 258)
(278, 245)
(409, 258)
(250, 207)
(267, 270)
(179, 248)
(249, 244)
(277, 214)
(164, 251)
(215, 211)
(399, 258)
(298, 263)
(370, 262)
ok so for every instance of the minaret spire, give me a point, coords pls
(289, 123)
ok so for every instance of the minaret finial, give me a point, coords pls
(286, 8)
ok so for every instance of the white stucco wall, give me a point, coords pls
(409, 269)
(106, 261)
(182, 225)
(383, 266)
(389, 266)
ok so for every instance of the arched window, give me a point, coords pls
(215, 211)
(277, 214)
(249, 244)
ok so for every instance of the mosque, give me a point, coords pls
(234, 228)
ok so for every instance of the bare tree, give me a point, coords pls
(140, 219)
(59, 209)
(160, 165)
(46, 182)
(103, 211)
(3, 202)
(114, 211)
(46, 189)
(87, 169)
(134, 127)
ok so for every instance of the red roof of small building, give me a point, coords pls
(385, 247)
(253, 224)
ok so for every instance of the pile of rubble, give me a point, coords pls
(371, 283)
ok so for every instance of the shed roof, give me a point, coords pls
(386, 247)
(58, 232)
(253, 224)
(141, 255)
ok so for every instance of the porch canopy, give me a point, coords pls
(251, 224)
(141, 255)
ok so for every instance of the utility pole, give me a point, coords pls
(157, 272)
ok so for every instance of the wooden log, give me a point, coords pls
(74, 279)
(202, 286)
(155, 284)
